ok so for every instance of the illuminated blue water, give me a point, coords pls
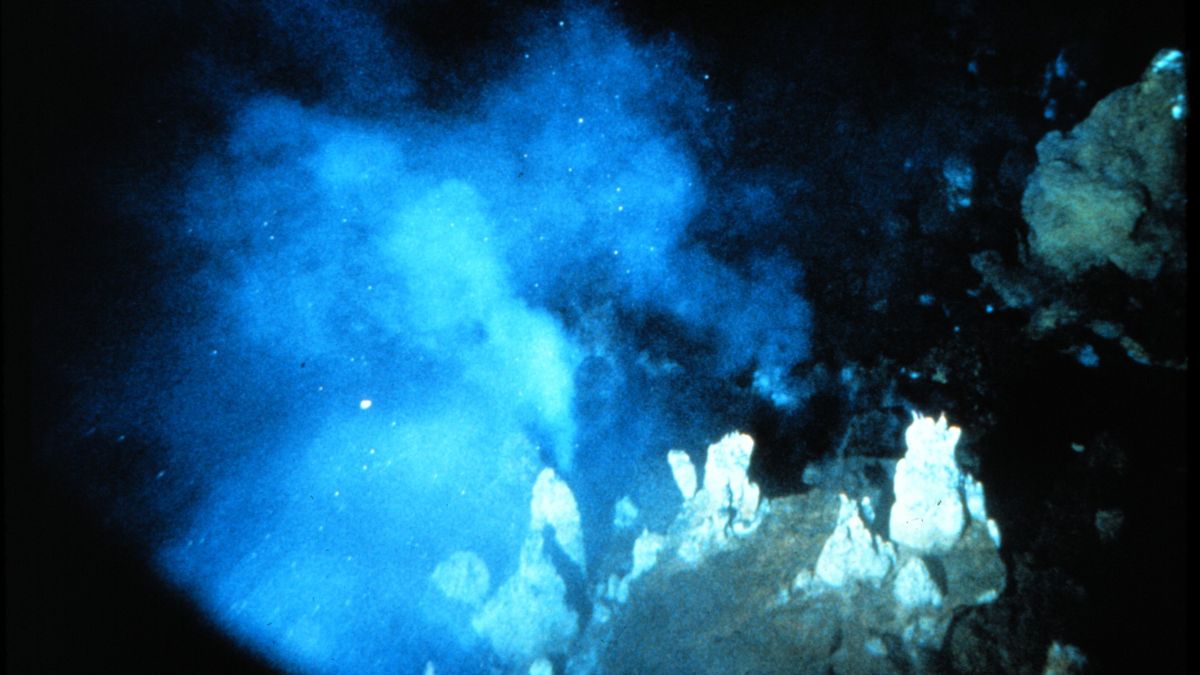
(390, 316)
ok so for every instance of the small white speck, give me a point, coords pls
(364, 404)
(159, 475)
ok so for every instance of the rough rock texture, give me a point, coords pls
(727, 481)
(528, 615)
(928, 515)
(853, 554)
(1106, 191)
(683, 471)
(728, 504)
(1105, 269)
(553, 505)
(813, 588)
(645, 556)
(757, 606)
